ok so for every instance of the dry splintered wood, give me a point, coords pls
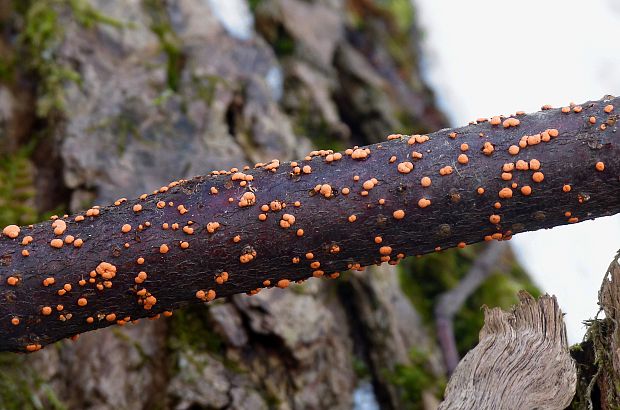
(277, 223)
(606, 340)
(521, 362)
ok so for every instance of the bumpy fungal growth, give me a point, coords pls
(325, 190)
(463, 159)
(234, 231)
(11, 231)
(423, 202)
(511, 122)
(405, 167)
(59, 227)
(488, 148)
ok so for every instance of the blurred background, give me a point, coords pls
(102, 99)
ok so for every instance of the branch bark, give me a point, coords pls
(217, 235)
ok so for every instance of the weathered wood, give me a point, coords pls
(321, 215)
(521, 362)
(609, 299)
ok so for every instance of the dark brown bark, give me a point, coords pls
(457, 213)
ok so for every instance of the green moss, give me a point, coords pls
(283, 45)
(409, 125)
(598, 382)
(205, 86)
(168, 41)
(309, 122)
(39, 38)
(21, 388)
(253, 4)
(271, 400)
(415, 378)
(7, 69)
(87, 16)
(401, 11)
(40, 35)
(324, 139)
(424, 279)
(17, 188)
(191, 328)
(144, 357)
(360, 368)
(276, 35)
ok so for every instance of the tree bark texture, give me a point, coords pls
(521, 362)
(241, 231)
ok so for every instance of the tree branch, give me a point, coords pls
(217, 235)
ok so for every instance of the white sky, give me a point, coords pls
(488, 57)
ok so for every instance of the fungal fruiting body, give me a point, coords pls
(11, 231)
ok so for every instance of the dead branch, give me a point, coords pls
(241, 231)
